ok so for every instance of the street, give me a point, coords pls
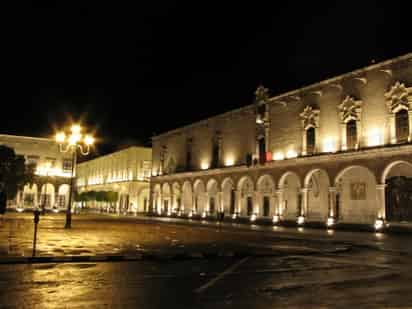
(274, 272)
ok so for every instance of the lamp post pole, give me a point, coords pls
(76, 141)
(68, 224)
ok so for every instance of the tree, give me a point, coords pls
(14, 174)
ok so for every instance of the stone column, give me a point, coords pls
(392, 129)
(256, 203)
(279, 197)
(304, 146)
(272, 204)
(358, 133)
(410, 125)
(219, 204)
(343, 140)
(238, 202)
(381, 200)
(207, 204)
(172, 201)
(332, 202)
(318, 142)
(304, 201)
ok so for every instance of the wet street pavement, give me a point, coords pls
(274, 272)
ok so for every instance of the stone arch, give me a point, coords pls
(63, 196)
(317, 184)
(246, 196)
(213, 202)
(177, 197)
(290, 201)
(166, 198)
(200, 198)
(356, 195)
(143, 200)
(187, 196)
(30, 195)
(228, 196)
(397, 177)
(265, 195)
(395, 167)
(47, 198)
(157, 198)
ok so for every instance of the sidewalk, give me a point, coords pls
(115, 238)
(389, 240)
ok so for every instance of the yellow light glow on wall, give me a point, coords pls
(375, 137)
(291, 153)
(204, 165)
(278, 156)
(329, 145)
(229, 161)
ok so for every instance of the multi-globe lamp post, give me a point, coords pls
(73, 142)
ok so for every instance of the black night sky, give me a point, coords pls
(131, 70)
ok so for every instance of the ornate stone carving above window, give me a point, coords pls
(398, 97)
(310, 117)
(350, 109)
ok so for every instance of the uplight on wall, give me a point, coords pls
(291, 154)
(278, 156)
(204, 165)
(329, 145)
(375, 137)
(229, 161)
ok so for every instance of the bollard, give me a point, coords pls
(36, 221)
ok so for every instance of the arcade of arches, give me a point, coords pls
(353, 193)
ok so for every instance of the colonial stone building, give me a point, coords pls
(338, 150)
(126, 172)
(52, 173)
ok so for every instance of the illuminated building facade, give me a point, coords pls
(335, 151)
(126, 172)
(52, 173)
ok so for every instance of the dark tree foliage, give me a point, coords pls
(14, 174)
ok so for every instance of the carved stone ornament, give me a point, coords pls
(397, 97)
(247, 187)
(310, 117)
(261, 95)
(350, 109)
(266, 186)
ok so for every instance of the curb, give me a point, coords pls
(122, 258)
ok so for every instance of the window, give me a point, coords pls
(189, 145)
(61, 202)
(310, 140)
(28, 199)
(67, 165)
(216, 150)
(402, 126)
(33, 160)
(262, 150)
(351, 134)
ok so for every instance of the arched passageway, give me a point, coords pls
(356, 195)
(228, 196)
(290, 202)
(213, 203)
(266, 191)
(398, 191)
(317, 185)
(246, 198)
(200, 200)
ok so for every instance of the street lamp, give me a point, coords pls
(71, 143)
